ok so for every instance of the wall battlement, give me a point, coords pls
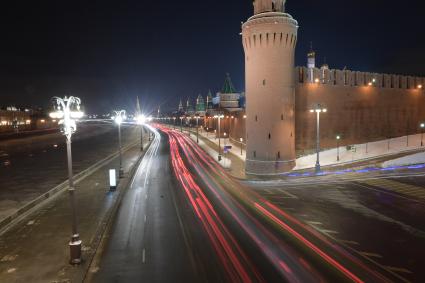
(354, 78)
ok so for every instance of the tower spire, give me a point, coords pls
(138, 110)
(264, 6)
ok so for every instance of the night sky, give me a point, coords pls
(108, 52)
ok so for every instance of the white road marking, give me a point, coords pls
(314, 223)
(398, 269)
(288, 194)
(144, 256)
(367, 254)
(348, 242)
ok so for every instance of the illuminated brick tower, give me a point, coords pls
(269, 39)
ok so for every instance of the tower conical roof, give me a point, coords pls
(228, 85)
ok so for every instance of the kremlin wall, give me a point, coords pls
(361, 107)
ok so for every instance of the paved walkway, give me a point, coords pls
(36, 249)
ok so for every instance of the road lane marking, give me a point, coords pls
(325, 231)
(370, 254)
(398, 269)
(349, 242)
(314, 223)
(144, 256)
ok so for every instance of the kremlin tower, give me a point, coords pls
(269, 40)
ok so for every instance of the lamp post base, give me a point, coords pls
(121, 173)
(317, 168)
(219, 157)
(75, 250)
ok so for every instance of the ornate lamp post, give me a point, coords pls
(174, 118)
(181, 124)
(119, 118)
(318, 109)
(67, 110)
(338, 137)
(241, 140)
(219, 137)
(422, 133)
(197, 128)
(141, 119)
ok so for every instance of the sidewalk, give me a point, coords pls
(36, 249)
(362, 152)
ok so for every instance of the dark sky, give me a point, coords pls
(107, 52)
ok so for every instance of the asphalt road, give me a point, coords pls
(378, 219)
(155, 236)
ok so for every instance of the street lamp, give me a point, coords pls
(338, 137)
(197, 128)
(174, 118)
(219, 137)
(119, 118)
(141, 119)
(241, 140)
(422, 133)
(318, 109)
(181, 124)
(67, 110)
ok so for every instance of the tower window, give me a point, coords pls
(254, 154)
(264, 82)
(278, 155)
(281, 117)
(270, 136)
(256, 118)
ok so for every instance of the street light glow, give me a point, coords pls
(141, 119)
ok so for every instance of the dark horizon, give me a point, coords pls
(109, 53)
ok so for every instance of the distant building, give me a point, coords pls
(200, 106)
(13, 119)
(228, 97)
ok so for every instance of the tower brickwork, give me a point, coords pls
(269, 39)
